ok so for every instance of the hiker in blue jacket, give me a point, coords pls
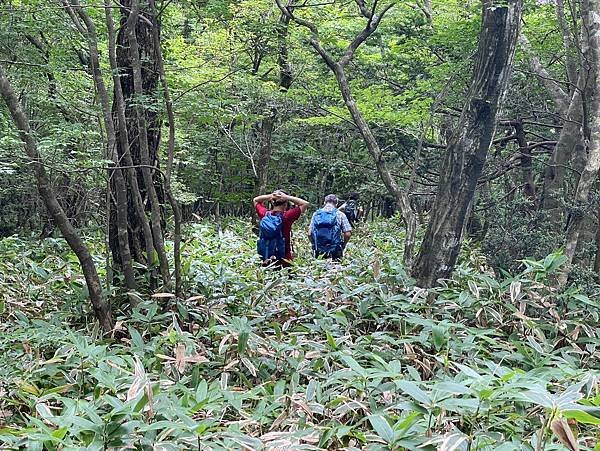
(329, 230)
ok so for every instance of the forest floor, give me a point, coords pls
(323, 357)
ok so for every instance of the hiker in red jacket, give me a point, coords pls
(275, 229)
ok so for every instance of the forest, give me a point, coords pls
(300, 224)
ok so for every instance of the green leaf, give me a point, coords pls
(411, 389)
(353, 364)
(60, 433)
(242, 343)
(585, 300)
(331, 341)
(382, 427)
(452, 388)
(440, 336)
(582, 416)
(539, 396)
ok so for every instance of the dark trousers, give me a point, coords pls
(335, 256)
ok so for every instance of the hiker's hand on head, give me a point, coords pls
(276, 195)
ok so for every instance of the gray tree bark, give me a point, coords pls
(88, 29)
(591, 68)
(144, 146)
(467, 151)
(570, 139)
(139, 229)
(570, 106)
(170, 154)
(597, 239)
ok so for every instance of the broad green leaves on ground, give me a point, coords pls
(325, 356)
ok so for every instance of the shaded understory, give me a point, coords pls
(325, 357)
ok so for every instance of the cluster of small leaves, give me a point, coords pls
(324, 356)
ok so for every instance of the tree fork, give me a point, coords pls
(338, 68)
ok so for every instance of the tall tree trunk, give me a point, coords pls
(467, 151)
(528, 187)
(568, 44)
(591, 57)
(570, 106)
(139, 230)
(139, 145)
(401, 196)
(338, 68)
(88, 29)
(146, 125)
(597, 259)
(570, 138)
(99, 302)
(170, 154)
(265, 130)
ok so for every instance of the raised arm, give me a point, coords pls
(303, 204)
(262, 198)
(345, 226)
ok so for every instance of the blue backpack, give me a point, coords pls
(326, 233)
(271, 244)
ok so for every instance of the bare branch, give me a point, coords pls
(206, 82)
(373, 9)
(363, 8)
(558, 94)
(314, 39)
(372, 25)
(69, 8)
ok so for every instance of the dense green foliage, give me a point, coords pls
(326, 356)
(221, 57)
(502, 356)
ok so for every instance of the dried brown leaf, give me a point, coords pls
(163, 295)
(195, 298)
(150, 405)
(376, 269)
(139, 377)
(563, 432)
(180, 357)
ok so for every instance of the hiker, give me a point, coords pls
(275, 227)
(351, 209)
(329, 230)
